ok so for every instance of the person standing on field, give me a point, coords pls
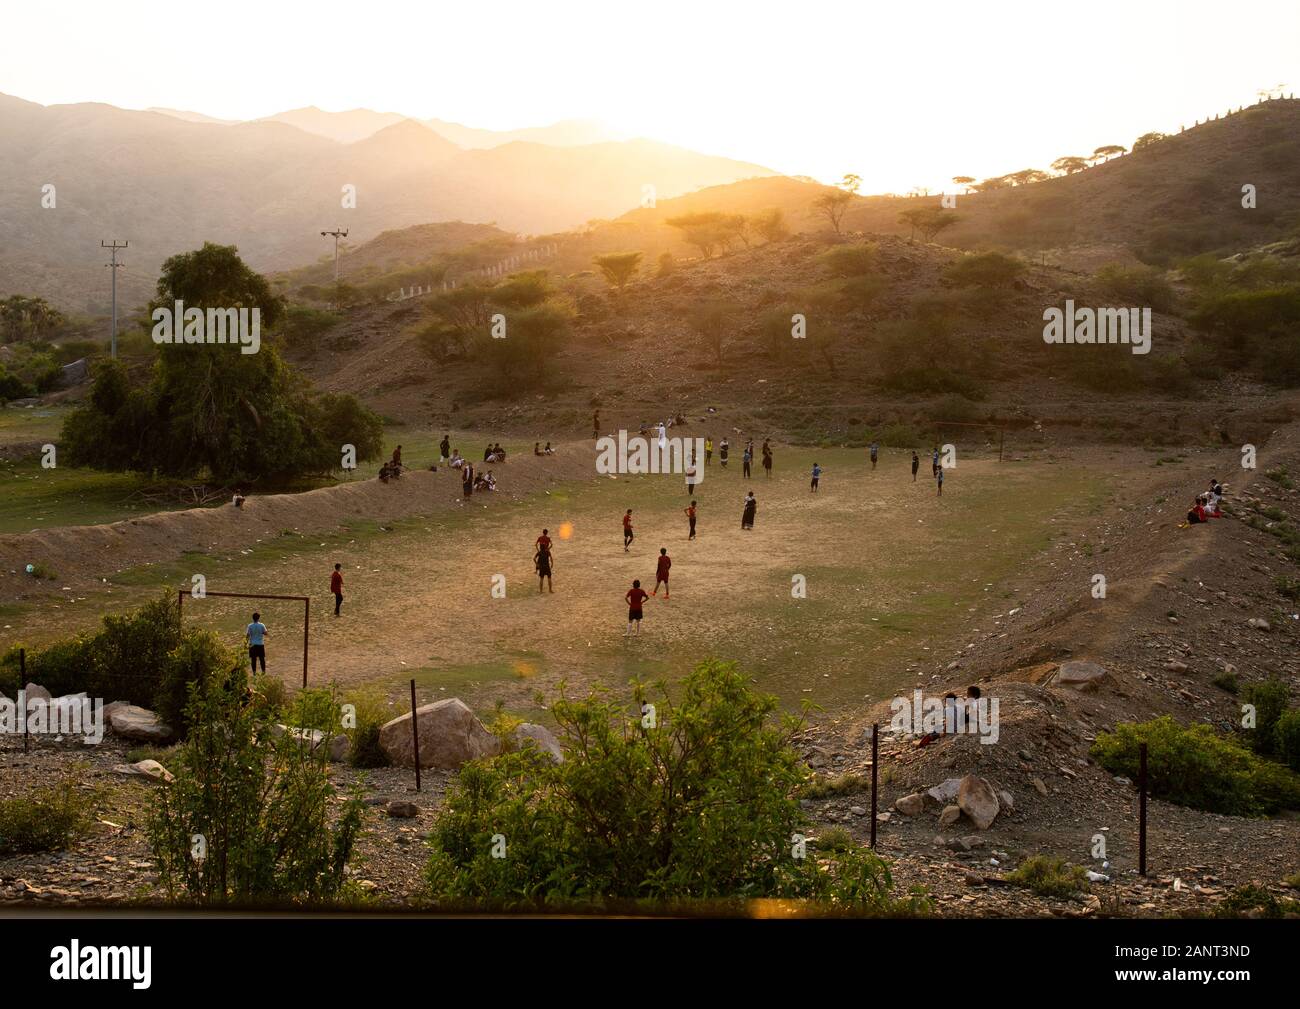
(256, 634)
(939, 480)
(916, 464)
(661, 571)
(628, 535)
(875, 451)
(690, 516)
(444, 449)
(336, 587)
(636, 597)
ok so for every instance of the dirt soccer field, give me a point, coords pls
(893, 572)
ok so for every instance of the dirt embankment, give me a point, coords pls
(82, 555)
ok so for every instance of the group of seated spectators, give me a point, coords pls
(542, 451)
(393, 468)
(485, 481)
(1207, 505)
(494, 453)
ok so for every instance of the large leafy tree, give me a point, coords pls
(209, 410)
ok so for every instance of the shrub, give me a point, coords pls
(259, 802)
(370, 714)
(1286, 739)
(1254, 901)
(1139, 286)
(1226, 681)
(985, 269)
(1270, 701)
(1194, 766)
(850, 260)
(45, 820)
(701, 806)
(1050, 877)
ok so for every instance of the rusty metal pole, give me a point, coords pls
(1142, 809)
(306, 626)
(22, 682)
(415, 736)
(875, 763)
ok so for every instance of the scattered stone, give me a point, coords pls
(1174, 666)
(340, 745)
(1005, 800)
(910, 805)
(949, 816)
(857, 811)
(150, 770)
(942, 794)
(403, 810)
(1039, 787)
(1259, 623)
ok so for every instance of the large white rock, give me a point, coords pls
(910, 805)
(978, 801)
(131, 722)
(450, 736)
(34, 691)
(529, 734)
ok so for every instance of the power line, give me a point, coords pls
(114, 265)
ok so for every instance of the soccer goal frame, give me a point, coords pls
(306, 614)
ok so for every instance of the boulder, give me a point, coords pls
(403, 810)
(340, 745)
(943, 793)
(149, 770)
(1079, 674)
(540, 736)
(313, 736)
(35, 690)
(910, 805)
(111, 707)
(131, 722)
(978, 801)
(949, 816)
(449, 733)
(1005, 800)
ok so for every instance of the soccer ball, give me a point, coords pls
(31, 569)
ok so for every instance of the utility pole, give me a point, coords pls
(114, 264)
(337, 232)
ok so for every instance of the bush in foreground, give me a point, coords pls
(1195, 766)
(249, 815)
(693, 800)
(45, 820)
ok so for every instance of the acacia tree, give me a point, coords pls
(1108, 151)
(1149, 139)
(618, 268)
(23, 318)
(964, 180)
(835, 201)
(706, 230)
(1069, 164)
(929, 221)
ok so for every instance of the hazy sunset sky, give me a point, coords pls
(900, 93)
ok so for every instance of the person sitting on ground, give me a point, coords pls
(1215, 498)
(973, 694)
(499, 452)
(548, 450)
(1198, 512)
(239, 499)
(397, 457)
(537, 448)
(457, 460)
(487, 454)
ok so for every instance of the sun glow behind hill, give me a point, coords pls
(901, 96)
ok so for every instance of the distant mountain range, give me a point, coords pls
(167, 180)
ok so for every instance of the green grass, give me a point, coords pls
(1050, 877)
(38, 423)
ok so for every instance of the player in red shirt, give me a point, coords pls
(542, 561)
(661, 572)
(690, 515)
(636, 597)
(336, 587)
(627, 530)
